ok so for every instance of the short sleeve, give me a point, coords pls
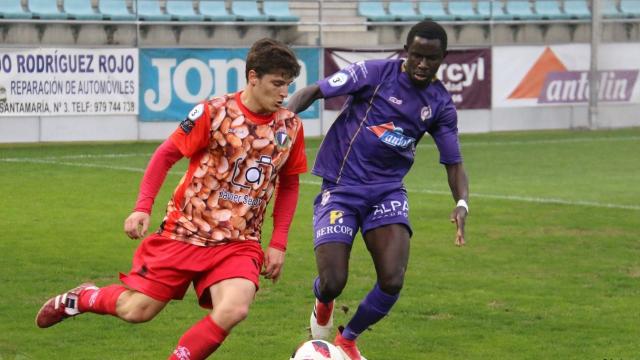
(297, 161)
(192, 134)
(352, 79)
(445, 135)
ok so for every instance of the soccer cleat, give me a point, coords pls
(348, 348)
(61, 306)
(321, 321)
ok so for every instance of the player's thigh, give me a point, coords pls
(387, 232)
(389, 248)
(332, 260)
(236, 260)
(162, 268)
(233, 293)
(231, 300)
(335, 226)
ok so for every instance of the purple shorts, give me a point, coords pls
(339, 211)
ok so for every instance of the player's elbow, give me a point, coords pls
(302, 99)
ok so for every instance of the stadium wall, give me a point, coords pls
(523, 119)
(128, 128)
(501, 88)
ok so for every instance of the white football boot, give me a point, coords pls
(318, 331)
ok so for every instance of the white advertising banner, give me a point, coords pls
(559, 74)
(48, 81)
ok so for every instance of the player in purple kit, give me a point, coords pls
(363, 160)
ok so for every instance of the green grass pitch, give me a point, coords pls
(551, 269)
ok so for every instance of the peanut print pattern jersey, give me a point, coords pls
(235, 157)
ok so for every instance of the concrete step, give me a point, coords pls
(306, 13)
(345, 5)
(333, 28)
(303, 5)
(339, 9)
(362, 39)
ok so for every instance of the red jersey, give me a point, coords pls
(235, 158)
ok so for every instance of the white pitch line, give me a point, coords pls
(537, 200)
(97, 156)
(464, 144)
(86, 165)
(308, 149)
(79, 156)
(516, 198)
(318, 183)
(550, 141)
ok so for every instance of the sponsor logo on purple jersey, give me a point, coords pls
(391, 135)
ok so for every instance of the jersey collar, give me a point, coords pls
(259, 119)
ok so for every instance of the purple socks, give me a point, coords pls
(373, 308)
(316, 291)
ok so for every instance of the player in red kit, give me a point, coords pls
(242, 147)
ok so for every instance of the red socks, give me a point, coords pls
(323, 312)
(200, 341)
(101, 301)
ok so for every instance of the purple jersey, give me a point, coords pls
(373, 140)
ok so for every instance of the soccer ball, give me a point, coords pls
(317, 350)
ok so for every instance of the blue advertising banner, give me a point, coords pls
(172, 81)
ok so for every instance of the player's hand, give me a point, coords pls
(458, 216)
(273, 261)
(136, 224)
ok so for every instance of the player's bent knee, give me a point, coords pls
(139, 315)
(135, 307)
(332, 288)
(240, 313)
(132, 316)
(232, 314)
(392, 285)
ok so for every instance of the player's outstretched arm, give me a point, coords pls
(459, 184)
(165, 156)
(303, 98)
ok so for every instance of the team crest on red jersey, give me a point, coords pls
(195, 113)
(282, 139)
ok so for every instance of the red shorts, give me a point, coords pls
(164, 268)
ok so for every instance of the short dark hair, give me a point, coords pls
(429, 30)
(268, 56)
